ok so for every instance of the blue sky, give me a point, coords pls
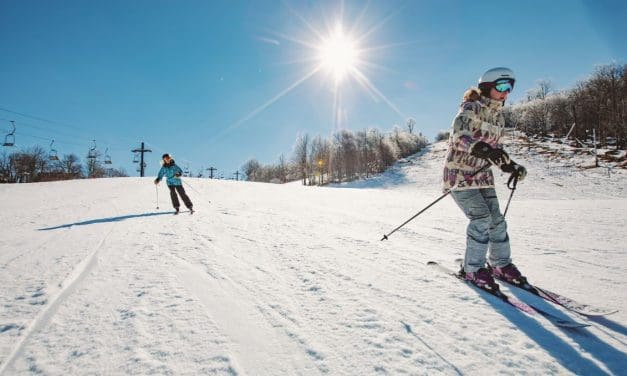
(201, 79)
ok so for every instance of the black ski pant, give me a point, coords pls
(175, 199)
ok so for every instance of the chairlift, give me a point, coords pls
(52, 154)
(136, 158)
(9, 139)
(107, 157)
(92, 151)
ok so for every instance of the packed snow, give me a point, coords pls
(289, 280)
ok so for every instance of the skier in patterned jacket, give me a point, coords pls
(474, 143)
(173, 173)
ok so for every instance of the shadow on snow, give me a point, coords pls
(410, 331)
(568, 356)
(105, 220)
(611, 325)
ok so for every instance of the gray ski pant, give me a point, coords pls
(487, 230)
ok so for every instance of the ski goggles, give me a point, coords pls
(504, 86)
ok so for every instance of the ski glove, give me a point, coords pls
(178, 174)
(157, 181)
(515, 169)
(497, 157)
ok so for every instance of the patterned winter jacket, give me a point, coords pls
(172, 172)
(487, 125)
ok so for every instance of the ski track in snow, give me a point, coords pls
(293, 280)
(51, 306)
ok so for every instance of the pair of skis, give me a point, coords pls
(562, 301)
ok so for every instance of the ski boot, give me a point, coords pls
(482, 278)
(191, 210)
(176, 211)
(508, 273)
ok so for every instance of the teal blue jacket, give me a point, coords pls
(172, 172)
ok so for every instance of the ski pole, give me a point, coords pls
(448, 191)
(194, 189)
(157, 190)
(512, 179)
(189, 185)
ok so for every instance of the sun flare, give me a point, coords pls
(343, 57)
(338, 54)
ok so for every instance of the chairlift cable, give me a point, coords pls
(81, 129)
(59, 141)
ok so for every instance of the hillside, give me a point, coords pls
(285, 280)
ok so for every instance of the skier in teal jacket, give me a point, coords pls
(173, 173)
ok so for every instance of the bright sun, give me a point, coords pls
(338, 54)
(341, 55)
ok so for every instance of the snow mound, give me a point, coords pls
(552, 174)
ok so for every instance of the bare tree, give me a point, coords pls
(545, 87)
(70, 164)
(411, 123)
(598, 103)
(320, 157)
(281, 170)
(6, 171)
(93, 166)
(27, 165)
(300, 156)
(346, 155)
(251, 169)
(116, 173)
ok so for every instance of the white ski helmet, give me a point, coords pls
(494, 74)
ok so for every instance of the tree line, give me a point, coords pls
(35, 164)
(598, 103)
(344, 156)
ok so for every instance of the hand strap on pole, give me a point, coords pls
(512, 181)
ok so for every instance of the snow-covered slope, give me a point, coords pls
(286, 280)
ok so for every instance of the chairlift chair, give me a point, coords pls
(9, 139)
(92, 151)
(107, 157)
(136, 158)
(52, 154)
